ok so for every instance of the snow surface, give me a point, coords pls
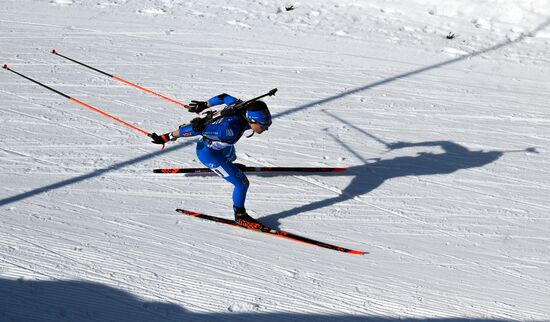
(447, 141)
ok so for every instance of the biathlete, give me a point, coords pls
(216, 149)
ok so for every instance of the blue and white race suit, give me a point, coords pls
(216, 148)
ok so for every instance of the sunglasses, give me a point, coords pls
(263, 125)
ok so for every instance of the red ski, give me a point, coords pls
(274, 232)
(253, 169)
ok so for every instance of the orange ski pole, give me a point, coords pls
(79, 102)
(122, 80)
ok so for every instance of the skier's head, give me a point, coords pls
(258, 116)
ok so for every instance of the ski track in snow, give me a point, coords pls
(454, 219)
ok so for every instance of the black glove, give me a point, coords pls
(161, 139)
(197, 106)
(198, 124)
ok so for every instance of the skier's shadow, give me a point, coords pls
(370, 176)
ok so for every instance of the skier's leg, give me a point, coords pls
(219, 164)
(233, 174)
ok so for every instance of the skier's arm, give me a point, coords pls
(217, 131)
(197, 126)
(221, 99)
(194, 128)
(187, 130)
(199, 106)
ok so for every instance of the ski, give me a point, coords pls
(274, 232)
(252, 169)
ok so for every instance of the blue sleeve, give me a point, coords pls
(222, 99)
(226, 130)
(187, 131)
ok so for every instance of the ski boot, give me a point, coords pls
(244, 220)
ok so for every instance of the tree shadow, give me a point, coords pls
(82, 301)
(371, 175)
(408, 74)
(90, 175)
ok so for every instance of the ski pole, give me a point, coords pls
(122, 80)
(78, 102)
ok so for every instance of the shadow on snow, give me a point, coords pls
(90, 175)
(371, 175)
(356, 90)
(120, 165)
(44, 301)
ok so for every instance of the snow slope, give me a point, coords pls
(447, 141)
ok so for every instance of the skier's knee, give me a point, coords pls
(242, 184)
